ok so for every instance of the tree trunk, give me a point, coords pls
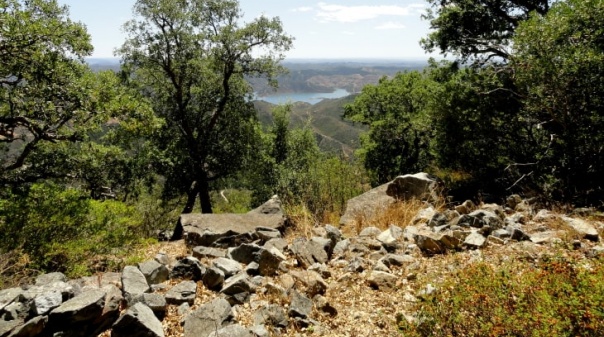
(204, 195)
(191, 196)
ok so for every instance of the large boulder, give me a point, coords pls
(229, 229)
(373, 202)
(138, 321)
(208, 318)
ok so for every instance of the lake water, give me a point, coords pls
(309, 97)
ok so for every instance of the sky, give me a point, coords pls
(330, 29)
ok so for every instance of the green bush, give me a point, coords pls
(62, 229)
(557, 297)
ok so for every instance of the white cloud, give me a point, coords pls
(346, 14)
(390, 26)
(302, 9)
(347, 32)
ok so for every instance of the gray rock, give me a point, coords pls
(391, 235)
(272, 315)
(450, 242)
(154, 271)
(134, 283)
(269, 261)
(323, 305)
(475, 240)
(233, 330)
(239, 288)
(544, 215)
(382, 280)
(156, 302)
(301, 306)
(308, 252)
(366, 205)
(468, 220)
(266, 234)
(413, 186)
(7, 296)
(14, 311)
(341, 247)
(205, 229)
(162, 258)
(438, 220)
(31, 328)
(47, 301)
(393, 260)
(208, 318)
(519, 235)
(371, 232)
(312, 281)
(229, 267)
(85, 307)
(259, 331)
(429, 245)
(253, 268)
(183, 292)
(502, 233)
(137, 321)
(279, 244)
(188, 268)
(7, 326)
(321, 269)
(583, 227)
(213, 278)
(201, 252)
(333, 233)
(49, 278)
(543, 237)
(245, 253)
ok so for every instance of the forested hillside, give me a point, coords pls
(95, 164)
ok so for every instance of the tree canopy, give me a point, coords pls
(190, 59)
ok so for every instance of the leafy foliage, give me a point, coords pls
(190, 58)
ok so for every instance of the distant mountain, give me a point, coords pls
(332, 132)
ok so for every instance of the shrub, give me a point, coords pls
(557, 297)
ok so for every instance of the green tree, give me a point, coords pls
(191, 58)
(558, 61)
(477, 29)
(396, 111)
(50, 101)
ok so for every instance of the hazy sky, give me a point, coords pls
(330, 29)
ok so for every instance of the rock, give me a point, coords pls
(393, 260)
(208, 318)
(279, 244)
(324, 306)
(494, 240)
(544, 215)
(423, 216)
(543, 237)
(45, 302)
(596, 251)
(341, 247)
(300, 306)
(366, 205)
(233, 330)
(321, 269)
(213, 278)
(83, 309)
(413, 186)
(7, 296)
(371, 232)
(205, 229)
(188, 268)
(7, 326)
(269, 261)
(259, 331)
(438, 220)
(49, 278)
(229, 267)
(184, 292)
(475, 240)
(134, 283)
(272, 315)
(502, 233)
(162, 258)
(587, 230)
(513, 200)
(519, 235)
(238, 287)
(308, 252)
(266, 234)
(31, 328)
(333, 234)
(466, 207)
(200, 252)
(154, 271)
(156, 302)
(381, 280)
(14, 311)
(429, 245)
(137, 321)
(391, 235)
(450, 242)
(245, 253)
(312, 281)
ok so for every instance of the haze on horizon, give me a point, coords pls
(323, 31)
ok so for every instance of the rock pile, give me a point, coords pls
(285, 283)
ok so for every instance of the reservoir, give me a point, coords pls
(308, 97)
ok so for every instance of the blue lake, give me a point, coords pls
(309, 97)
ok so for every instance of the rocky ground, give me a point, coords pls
(358, 278)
